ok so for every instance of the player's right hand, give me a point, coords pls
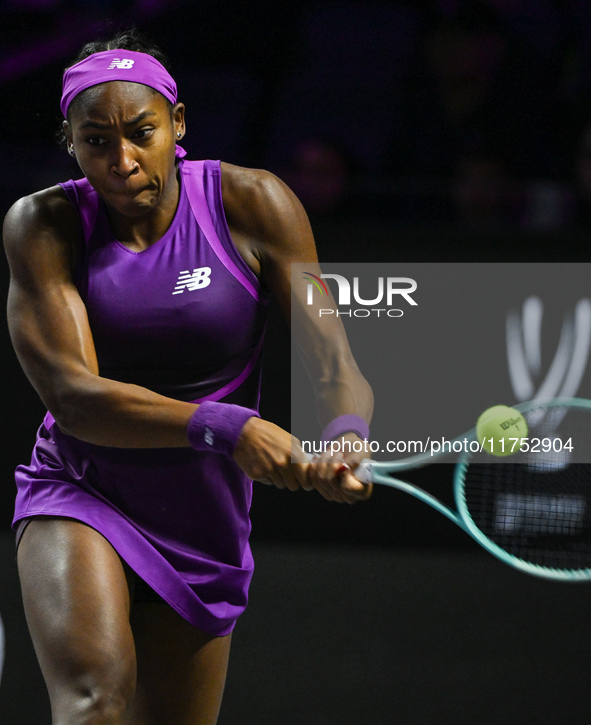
(269, 454)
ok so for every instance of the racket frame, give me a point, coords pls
(382, 472)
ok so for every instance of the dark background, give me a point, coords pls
(423, 131)
(412, 131)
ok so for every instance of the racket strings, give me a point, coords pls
(538, 507)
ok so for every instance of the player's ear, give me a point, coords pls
(178, 119)
(69, 137)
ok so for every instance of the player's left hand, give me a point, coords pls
(333, 476)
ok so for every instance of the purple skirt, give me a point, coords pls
(178, 517)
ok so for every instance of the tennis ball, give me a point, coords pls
(496, 426)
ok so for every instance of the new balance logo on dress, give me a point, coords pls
(121, 63)
(197, 279)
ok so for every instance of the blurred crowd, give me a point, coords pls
(474, 113)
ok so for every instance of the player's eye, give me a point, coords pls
(144, 132)
(96, 140)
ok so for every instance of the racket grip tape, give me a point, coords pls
(362, 472)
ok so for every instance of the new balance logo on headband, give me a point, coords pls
(121, 63)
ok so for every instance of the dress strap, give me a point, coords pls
(85, 199)
(193, 176)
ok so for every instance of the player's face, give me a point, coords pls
(124, 137)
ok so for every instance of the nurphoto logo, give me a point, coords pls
(389, 290)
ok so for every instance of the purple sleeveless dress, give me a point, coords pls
(184, 318)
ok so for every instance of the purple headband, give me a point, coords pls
(117, 65)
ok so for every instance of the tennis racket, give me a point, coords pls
(532, 509)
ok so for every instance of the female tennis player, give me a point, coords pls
(137, 309)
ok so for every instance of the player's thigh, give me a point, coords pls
(181, 671)
(76, 601)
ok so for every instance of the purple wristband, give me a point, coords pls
(217, 426)
(346, 424)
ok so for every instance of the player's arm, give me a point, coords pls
(271, 230)
(52, 338)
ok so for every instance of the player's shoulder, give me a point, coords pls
(47, 207)
(249, 181)
(47, 210)
(257, 194)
